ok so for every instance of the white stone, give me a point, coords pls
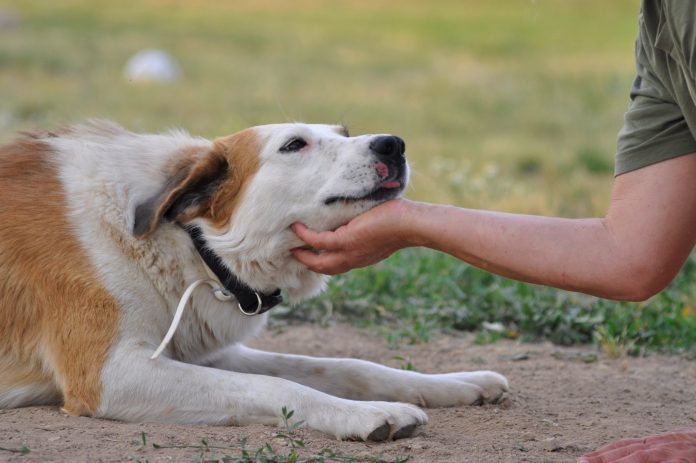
(152, 65)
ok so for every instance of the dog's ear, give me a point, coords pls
(186, 193)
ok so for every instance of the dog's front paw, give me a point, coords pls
(493, 386)
(464, 388)
(371, 421)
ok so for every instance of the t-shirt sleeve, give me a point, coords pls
(654, 127)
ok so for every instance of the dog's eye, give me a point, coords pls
(295, 144)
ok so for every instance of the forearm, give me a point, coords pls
(632, 253)
(574, 254)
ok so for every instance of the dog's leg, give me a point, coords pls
(362, 380)
(138, 389)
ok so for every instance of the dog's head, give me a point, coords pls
(246, 191)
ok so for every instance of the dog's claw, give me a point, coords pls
(379, 434)
(406, 431)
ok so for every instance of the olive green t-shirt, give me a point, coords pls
(660, 123)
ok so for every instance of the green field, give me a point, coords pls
(512, 105)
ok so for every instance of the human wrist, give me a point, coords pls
(410, 230)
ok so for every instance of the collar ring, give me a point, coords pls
(256, 311)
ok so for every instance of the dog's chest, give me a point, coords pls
(209, 325)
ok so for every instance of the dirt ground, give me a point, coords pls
(559, 407)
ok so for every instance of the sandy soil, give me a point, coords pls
(559, 407)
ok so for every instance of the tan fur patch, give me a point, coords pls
(242, 151)
(184, 194)
(57, 322)
(206, 184)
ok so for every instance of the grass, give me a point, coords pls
(210, 453)
(475, 88)
(417, 293)
(511, 105)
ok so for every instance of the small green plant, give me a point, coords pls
(614, 346)
(288, 429)
(267, 453)
(483, 337)
(595, 160)
(22, 450)
(406, 365)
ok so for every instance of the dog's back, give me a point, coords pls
(44, 277)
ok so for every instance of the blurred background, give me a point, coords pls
(510, 104)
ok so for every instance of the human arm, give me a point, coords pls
(630, 254)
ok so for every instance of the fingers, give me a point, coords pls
(322, 240)
(672, 447)
(608, 448)
(683, 435)
(327, 263)
(330, 261)
(616, 454)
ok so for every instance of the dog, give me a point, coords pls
(102, 231)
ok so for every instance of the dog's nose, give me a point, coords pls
(388, 146)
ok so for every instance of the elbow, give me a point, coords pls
(638, 293)
(640, 283)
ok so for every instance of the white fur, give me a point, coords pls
(207, 375)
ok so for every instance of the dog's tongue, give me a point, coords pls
(392, 184)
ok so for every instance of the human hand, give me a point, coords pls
(671, 447)
(365, 240)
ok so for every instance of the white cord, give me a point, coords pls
(219, 293)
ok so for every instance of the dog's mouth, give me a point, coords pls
(391, 185)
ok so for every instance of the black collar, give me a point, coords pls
(250, 302)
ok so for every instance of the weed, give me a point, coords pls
(406, 365)
(288, 429)
(417, 293)
(206, 453)
(22, 450)
(483, 337)
(614, 346)
(595, 161)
